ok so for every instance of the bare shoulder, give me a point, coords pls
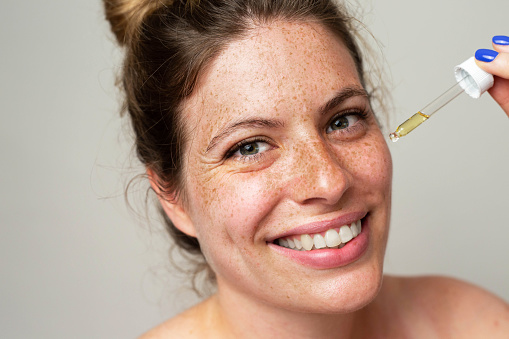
(181, 326)
(188, 324)
(454, 307)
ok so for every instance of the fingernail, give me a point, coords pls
(501, 40)
(486, 55)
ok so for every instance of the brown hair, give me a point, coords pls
(167, 46)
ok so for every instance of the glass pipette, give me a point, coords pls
(423, 115)
(470, 79)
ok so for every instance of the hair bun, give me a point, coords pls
(126, 16)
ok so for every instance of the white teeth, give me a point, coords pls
(291, 244)
(332, 238)
(345, 233)
(297, 243)
(319, 241)
(354, 229)
(307, 242)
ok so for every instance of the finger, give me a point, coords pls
(500, 92)
(497, 63)
(501, 48)
(493, 62)
(501, 43)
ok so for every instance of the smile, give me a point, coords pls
(332, 238)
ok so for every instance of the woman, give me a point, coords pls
(254, 121)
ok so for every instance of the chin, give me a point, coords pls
(338, 291)
(345, 294)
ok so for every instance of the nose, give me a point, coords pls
(319, 175)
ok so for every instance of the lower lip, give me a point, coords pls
(329, 258)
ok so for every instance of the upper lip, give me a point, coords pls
(322, 226)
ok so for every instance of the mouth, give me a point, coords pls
(333, 238)
(326, 244)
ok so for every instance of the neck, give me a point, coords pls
(245, 317)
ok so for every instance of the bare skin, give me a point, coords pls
(280, 88)
(420, 307)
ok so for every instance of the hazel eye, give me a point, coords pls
(342, 122)
(251, 148)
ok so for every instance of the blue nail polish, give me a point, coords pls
(486, 55)
(501, 40)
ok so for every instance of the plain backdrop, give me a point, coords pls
(77, 263)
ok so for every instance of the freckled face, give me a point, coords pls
(282, 137)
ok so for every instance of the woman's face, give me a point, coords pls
(283, 145)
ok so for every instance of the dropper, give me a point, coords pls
(470, 79)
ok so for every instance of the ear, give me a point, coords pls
(172, 207)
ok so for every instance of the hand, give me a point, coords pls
(497, 63)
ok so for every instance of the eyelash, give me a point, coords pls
(361, 113)
(243, 143)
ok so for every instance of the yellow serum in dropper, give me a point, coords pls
(424, 114)
(408, 126)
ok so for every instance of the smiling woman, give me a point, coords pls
(254, 121)
(313, 124)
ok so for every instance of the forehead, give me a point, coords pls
(271, 70)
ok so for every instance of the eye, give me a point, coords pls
(249, 148)
(343, 122)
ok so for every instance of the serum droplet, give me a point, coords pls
(394, 137)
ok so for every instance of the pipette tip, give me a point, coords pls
(394, 137)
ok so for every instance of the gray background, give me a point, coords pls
(75, 262)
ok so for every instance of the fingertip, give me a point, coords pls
(500, 43)
(498, 66)
(485, 55)
(501, 40)
(501, 48)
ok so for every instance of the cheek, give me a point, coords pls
(370, 162)
(235, 204)
(229, 217)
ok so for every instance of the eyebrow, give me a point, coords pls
(341, 96)
(344, 94)
(249, 123)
